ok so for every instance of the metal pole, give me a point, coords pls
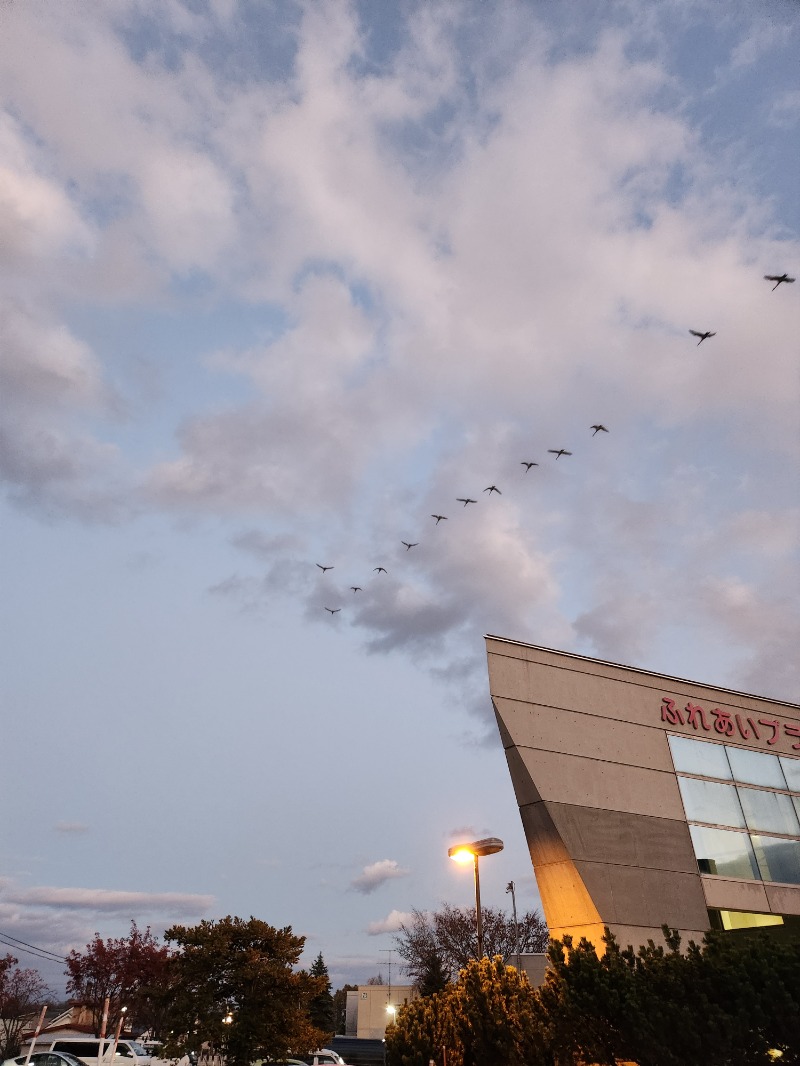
(479, 916)
(511, 887)
(36, 1034)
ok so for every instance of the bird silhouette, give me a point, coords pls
(778, 278)
(527, 465)
(465, 500)
(409, 546)
(702, 336)
(558, 452)
(333, 610)
(380, 570)
(324, 568)
(598, 429)
(493, 488)
(439, 518)
(356, 588)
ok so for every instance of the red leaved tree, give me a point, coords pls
(22, 993)
(130, 971)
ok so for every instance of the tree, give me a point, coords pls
(130, 971)
(340, 1007)
(22, 993)
(487, 1017)
(233, 987)
(440, 943)
(321, 1005)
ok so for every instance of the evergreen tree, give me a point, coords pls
(321, 1006)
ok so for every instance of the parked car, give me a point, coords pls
(324, 1057)
(45, 1058)
(87, 1049)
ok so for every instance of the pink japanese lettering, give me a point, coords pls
(692, 713)
(670, 713)
(723, 723)
(775, 726)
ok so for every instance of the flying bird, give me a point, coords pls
(439, 518)
(356, 588)
(558, 452)
(598, 429)
(702, 336)
(333, 610)
(527, 465)
(778, 278)
(380, 570)
(409, 546)
(493, 488)
(464, 500)
(324, 568)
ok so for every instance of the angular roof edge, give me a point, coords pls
(640, 670)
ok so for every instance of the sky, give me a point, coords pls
(280, 282)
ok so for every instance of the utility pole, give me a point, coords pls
(510, 887)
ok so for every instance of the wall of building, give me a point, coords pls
(587, 744)
(373, 1004)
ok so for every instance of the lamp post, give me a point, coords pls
(511, 887)
(463, 853)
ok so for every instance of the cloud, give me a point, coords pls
(377, 874)
(467, 251)
(106, 901)
(390, 924)
(71, 827)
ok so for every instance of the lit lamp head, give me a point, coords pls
(464, 853)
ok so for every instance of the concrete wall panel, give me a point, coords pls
(554, 729)
(621, 838)
(544, 840)
(784, 899)
(722, 894)
(645, 897)
(524, 788)
(611, 786)
(564, 897)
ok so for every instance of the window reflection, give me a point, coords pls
(778, 860)
(721, 851)
(768, 811)
(791, 771)
(756, 768)
(699, 757)
(710, 801)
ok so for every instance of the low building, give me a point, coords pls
(373, 1007)
(647, 799)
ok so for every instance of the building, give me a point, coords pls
(647, 799)
(373, 1007)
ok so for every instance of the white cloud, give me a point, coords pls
(390, 924)
(71, 827)
(104, 900)
(377, 874)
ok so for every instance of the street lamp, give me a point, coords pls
(463, 853)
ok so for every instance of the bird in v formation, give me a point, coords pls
(558, 452)
(778, 278)
(598, 427)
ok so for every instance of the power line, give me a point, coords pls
(30, 949)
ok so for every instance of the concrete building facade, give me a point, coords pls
(647, 799)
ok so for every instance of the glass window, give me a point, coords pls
(778, 860)
(769, 811)
(711, 801)
(699, 757)
(721, 851)
(747, 920)
(791, 771)
(756, 768)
